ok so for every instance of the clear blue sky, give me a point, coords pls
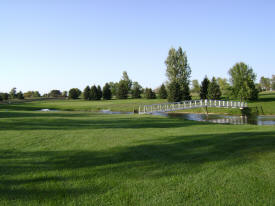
(60, 44)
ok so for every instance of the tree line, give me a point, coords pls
(241, 84)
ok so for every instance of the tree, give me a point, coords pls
(55, 93)
(204, 88)
(265, 83)
(86, 93)
(122, 92)
(5, 96)
(93, 93)
(179, 71)
(20, 95)
(195, 86)
(114, 88)
(13, 93)
(107, 94)
(74, 93)
(99, 93)
(1, 98)
(136, 90)
(127, 80)
(64, 94)
(273, 82)
(214, 91)
(174, 94)
(224, 86)
(162, 92)
(243, 78)
(31, 94)
(149, 94)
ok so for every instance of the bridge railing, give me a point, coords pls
(174, 106)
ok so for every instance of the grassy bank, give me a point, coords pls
(80, 158)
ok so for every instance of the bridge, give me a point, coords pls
(174, 106)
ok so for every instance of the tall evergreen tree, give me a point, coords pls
(93, 93)
(214, 91)
(149, 93)
(86, 93)
(179, 71)
(162, 92)
(122, 92)
(99, 93)
(185, 92)
(174, 94)
(107, 94)
(204, 88)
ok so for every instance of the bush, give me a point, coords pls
(107, 94)
(74, 93)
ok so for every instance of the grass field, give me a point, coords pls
(266, 101)
(82, 158)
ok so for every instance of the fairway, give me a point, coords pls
(83, 158)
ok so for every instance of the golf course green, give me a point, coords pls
(87, 158)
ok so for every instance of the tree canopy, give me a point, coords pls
(242, 78)
(178, 72)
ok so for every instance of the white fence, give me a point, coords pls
(168, 107)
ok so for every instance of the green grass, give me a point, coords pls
(82, 158)
(266, 101)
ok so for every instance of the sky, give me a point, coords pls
(63, 44)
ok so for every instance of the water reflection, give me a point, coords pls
(223, 119)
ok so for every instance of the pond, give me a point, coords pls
(223, 119)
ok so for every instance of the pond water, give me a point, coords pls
(223, 119)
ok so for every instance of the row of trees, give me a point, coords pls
(267, 84)
(241, 85)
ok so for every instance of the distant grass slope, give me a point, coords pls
(81, 158)
(266, 100)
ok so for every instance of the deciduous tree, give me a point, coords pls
(243, 78)
(178, 72)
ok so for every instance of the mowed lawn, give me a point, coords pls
(82, 158)
(266, 101)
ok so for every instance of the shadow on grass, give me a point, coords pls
(178, 155)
